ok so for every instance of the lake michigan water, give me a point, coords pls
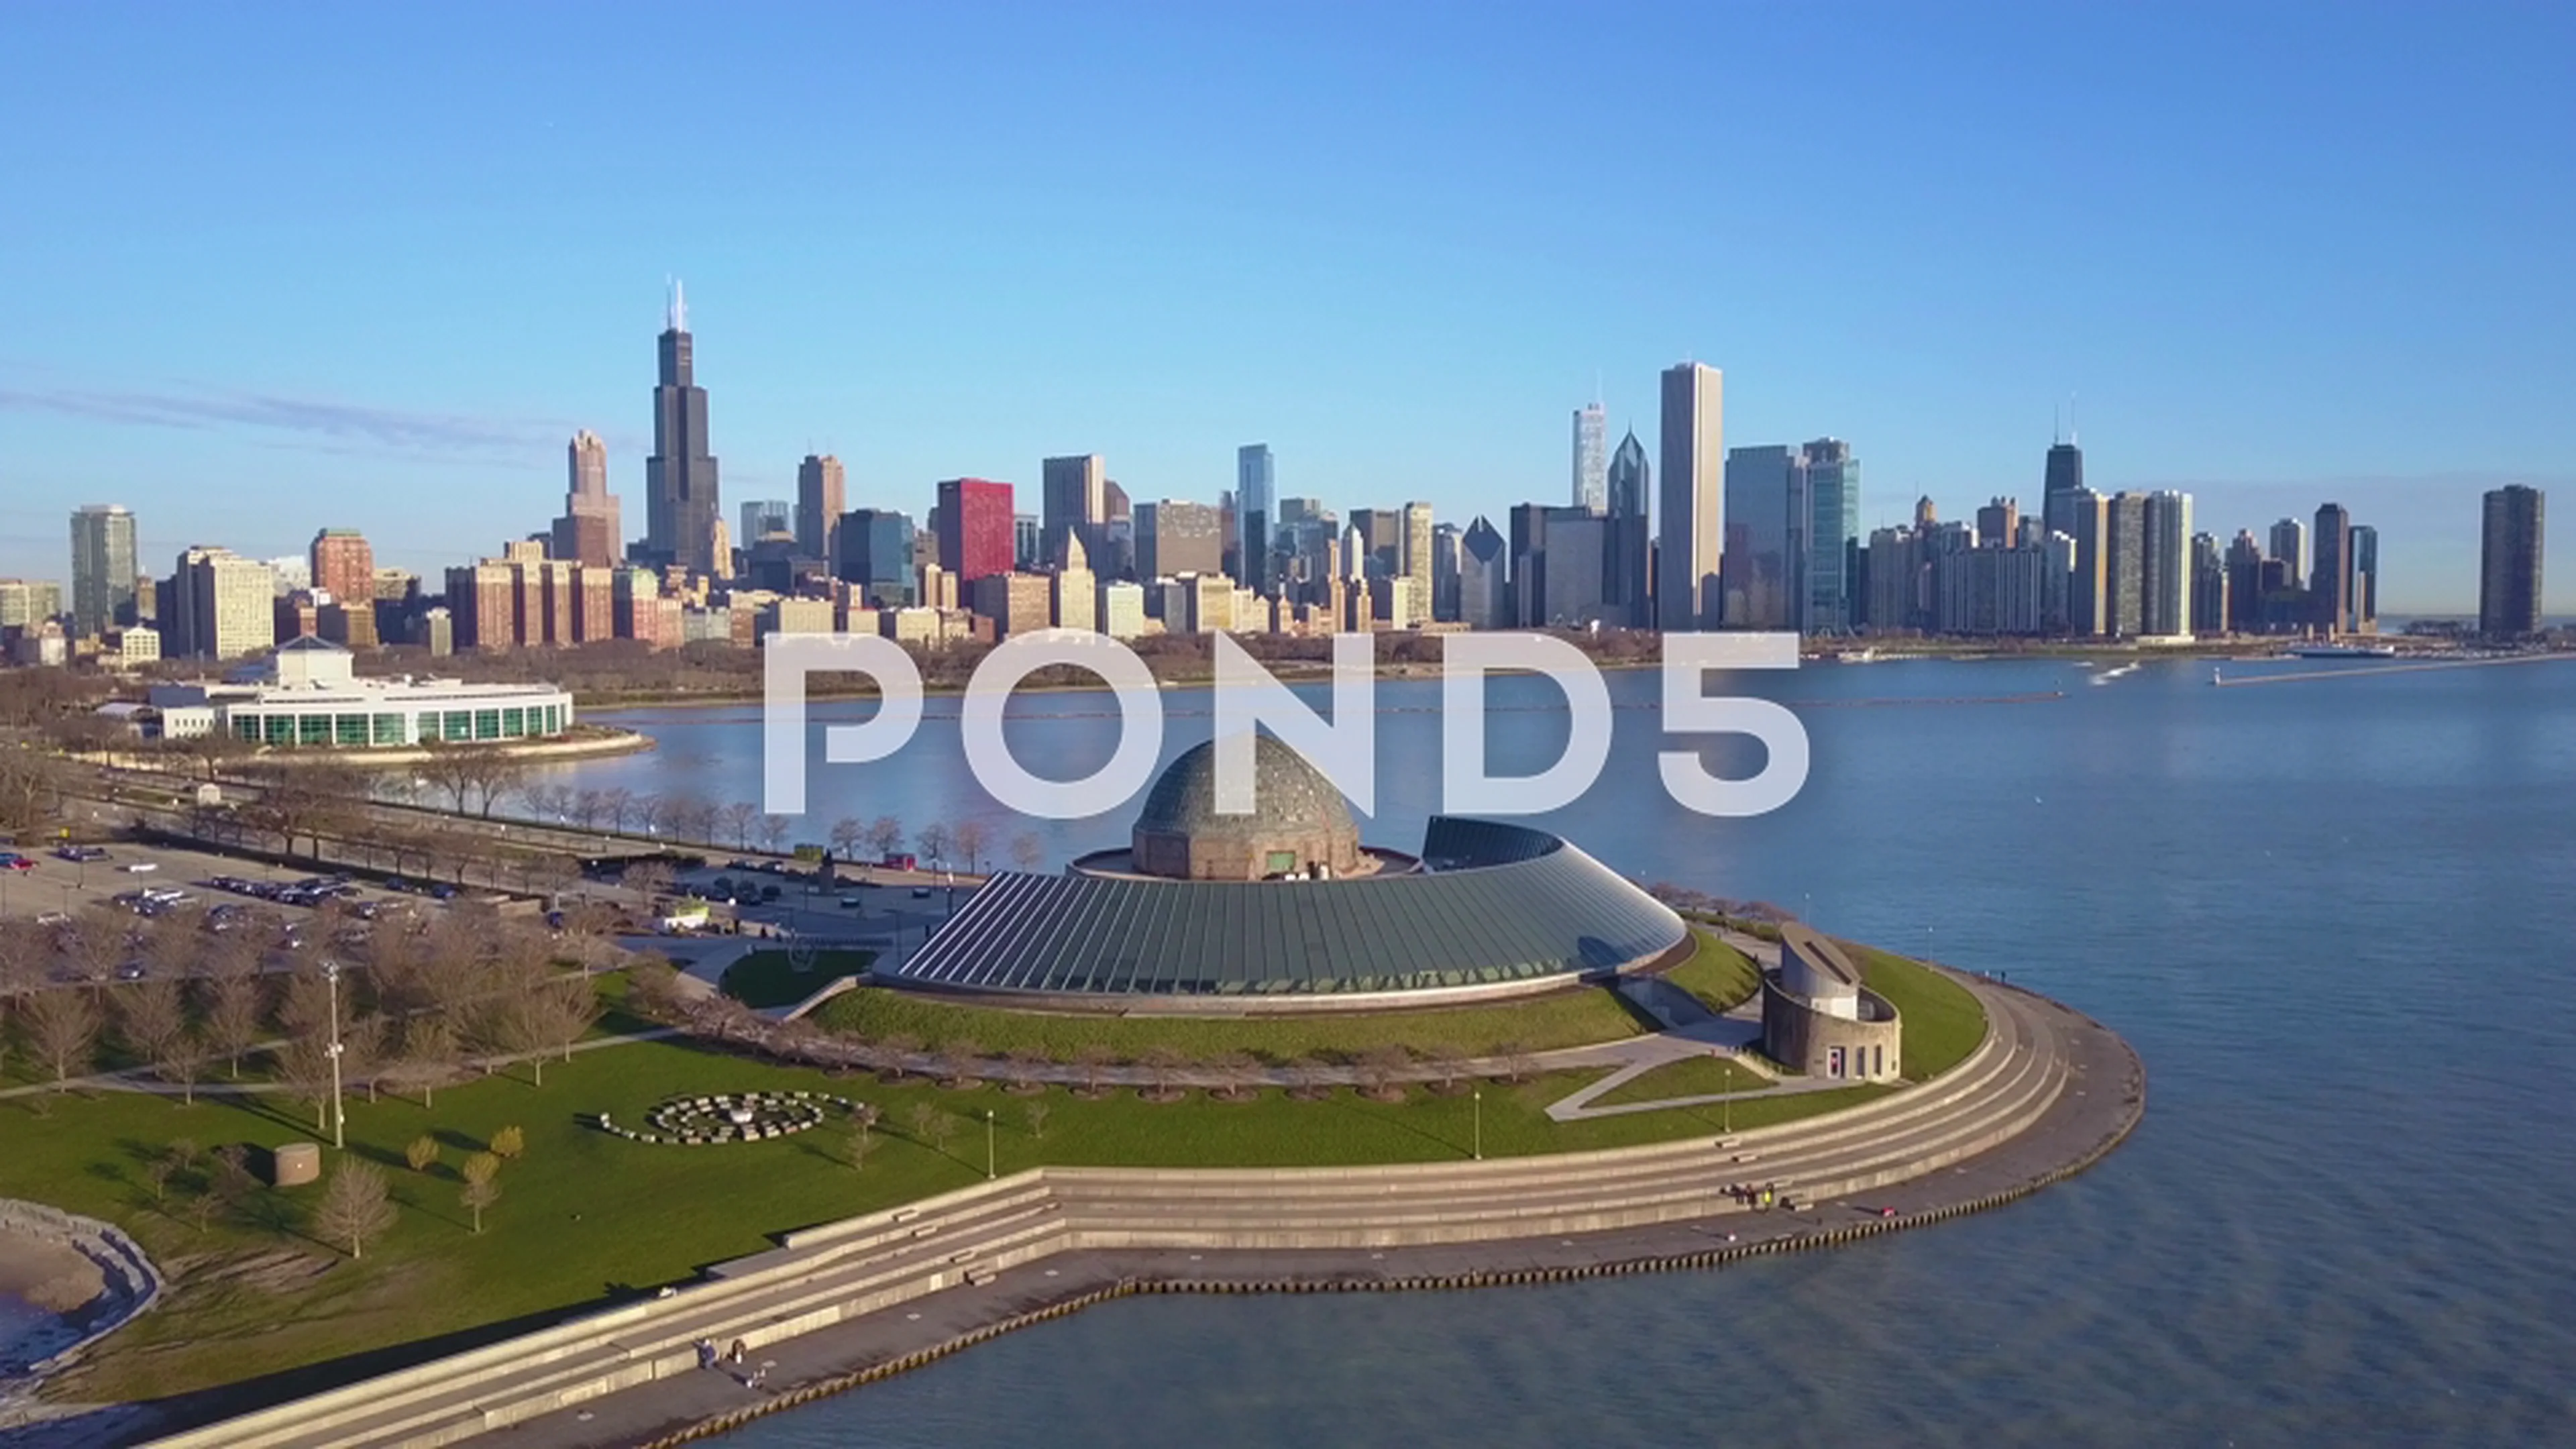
(2337, 917)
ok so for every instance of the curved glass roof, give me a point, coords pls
(1502, 903)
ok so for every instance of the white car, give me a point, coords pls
(139, 867)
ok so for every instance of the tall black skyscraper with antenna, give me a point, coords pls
(680, 504)
(2058, 510)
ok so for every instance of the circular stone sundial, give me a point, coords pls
(731, 1117)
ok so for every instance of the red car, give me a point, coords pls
(16, 862)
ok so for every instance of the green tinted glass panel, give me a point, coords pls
(313, 729)
(487, 724)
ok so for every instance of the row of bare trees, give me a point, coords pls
(436, 997)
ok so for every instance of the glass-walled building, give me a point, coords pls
(308, 698)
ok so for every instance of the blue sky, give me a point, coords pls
(269, 268)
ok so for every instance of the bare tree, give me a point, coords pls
(739, 819)
(899, 1048)
(616, 803)
(234, 1010)
(1091, 1059)
(1378, 1068)
(356, 1206)
(964, 1057)
(935, 841)
(1026, 852)
(474, 778)
(652, 813)
(1020, 1069)
(1519, 1063)
(1449, 1060)
(62, 1030)
(587, 807)
(847, 832)
(885, 835)
(150, 1019)
(692, 817)
(860, 1143)
(773, 832)
(932, 1127)
(970, 839)
(1035, 1110)
(431, 1056)
(1162, 1063)
(95, 945)
(1237, 1072)
(482, 1173)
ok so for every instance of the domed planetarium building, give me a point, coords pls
(1285, 909)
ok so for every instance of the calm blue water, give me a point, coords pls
(2338, 919)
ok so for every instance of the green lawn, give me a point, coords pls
(1719, 976)
(1943, 1023)
(1574, 1017)
(1689, 1077)
(585, 1215)
(770, 978)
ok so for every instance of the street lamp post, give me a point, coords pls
(988, 1144)
(339, 1121)
(1480, 1124)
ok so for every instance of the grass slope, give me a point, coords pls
(1575, 1017)
(1943, 1023)
(1689, 1077)
(764, 979)
(1718, 975)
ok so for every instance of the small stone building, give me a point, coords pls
(1819, 1016)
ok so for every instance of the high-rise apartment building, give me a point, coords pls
(2330, 577)
(2088, 597)
(2365, 579)
(1763, 569)
(680, 491)
(2124, 567)
(1626, 587)
(1175, 537)
(104, 569)
(2290, 546)
(2244, 583)
(1692, 527)
(2511, 543)
(1484, 590)
(344, 564)
(225, 605)
(1444, 572)
(1417, 565)
(875, 556)
(588, 532)
(1592, 458)
(1073, 500)
(766, 518)
(2209, 584)
(2165, 566)
(1832, 478)
(1999, 523)
(821, 493)
(1256, 513)
(974, 529)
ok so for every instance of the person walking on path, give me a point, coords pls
(706, 1353)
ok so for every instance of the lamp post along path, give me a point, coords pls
(339, 1121)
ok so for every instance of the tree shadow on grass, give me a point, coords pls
(1384, 1114)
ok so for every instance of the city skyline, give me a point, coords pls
(1404, 334)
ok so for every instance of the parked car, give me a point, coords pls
(921, 893)
(139, 867)
(16, 862)
(53, 918)
(78, 854)
(851, 903)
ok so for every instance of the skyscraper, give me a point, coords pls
(766, 518)
(680, 495)
(103, 568)
(344, 565)
(588, 532)
(2165, 565)
(1484, 593)
(820, 486)
(1624, 587)
(2330, 578)
(1256, 512)
(874, 556)
(2365, 579)
(2290, 546)
(1832, 477)
(1998, 523)
(225, 605)
(1415, 558)
(1592, 457)
(2244, 583)
(2509, 558)
(1760, 569)
(2124, 569)
(1073, 499)
(1692, 524)
(974, 529)
(1175, 537)
(2064, 480)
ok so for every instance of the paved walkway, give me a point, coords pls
(2047, 1095)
